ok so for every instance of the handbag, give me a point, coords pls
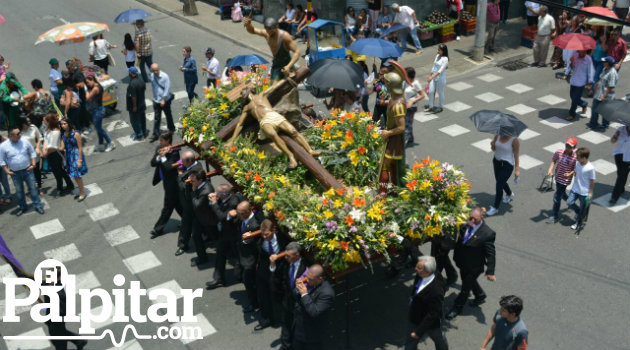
(111, 60)
(74, 102)
(547, 184)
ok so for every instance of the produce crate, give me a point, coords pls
(447, 38)
(426, 35)
(428, 42)
(530, 32)
(527, 42)
(447, 29)
(469, 26)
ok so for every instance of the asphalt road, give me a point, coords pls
(575, 288)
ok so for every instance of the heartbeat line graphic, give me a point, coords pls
(109, 332)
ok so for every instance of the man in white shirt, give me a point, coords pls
(212, 68)
(55, 79)
(582, 186)
(406, 16)
(532, 12)
(546, 30)
(162, 97)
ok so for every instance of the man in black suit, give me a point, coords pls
(440, 247)
(310, 319)
(247, 222)
(474, 250)
(204, 220)
(185, 198)
(270, 244)
(223, 203)
(285, 273)
(425, 306)
(163, 161)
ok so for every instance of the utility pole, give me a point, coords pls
(480, 30)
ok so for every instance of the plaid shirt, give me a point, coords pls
(143, 39)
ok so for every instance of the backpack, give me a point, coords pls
(43, 105)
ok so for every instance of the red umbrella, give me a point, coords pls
(600, 11)
(574, 41)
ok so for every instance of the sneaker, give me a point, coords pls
(492, 211)
(457, 38)
(428, 109)
(508, 199)
(19, 212)
(110, 147)
(419, 51)
(574, 226)
(551, 220)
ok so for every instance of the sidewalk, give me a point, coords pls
(507, 40)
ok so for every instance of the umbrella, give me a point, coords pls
(376, 47)
(600, 22)
(336, 73)
(131, 15)
(72, 32)
(598, 10)
(615, 111)
(574, 41)
(394, 28)
(1, 19)
(498, 123)
(246, 60)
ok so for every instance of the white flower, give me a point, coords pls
(394, 227)
(357, 215)
(450, 167)
(432, 210)
(200, 138)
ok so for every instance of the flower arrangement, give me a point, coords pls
(343, 227)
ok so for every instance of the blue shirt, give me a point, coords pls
(190, 70)
(507, 335)
(161, 87)
(16, 156)
(581, 70)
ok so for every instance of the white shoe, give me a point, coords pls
(492, 211)
(574, 226)
(457, 38)
(110, 147)
(508, 199)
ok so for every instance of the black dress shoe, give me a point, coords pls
(153, 139)
(155, 234)
(179, 252)
(214, 284)
(478, 301)
(453, 313)
(262, 325)
(249, 308)
(196, 262)
(450, 282)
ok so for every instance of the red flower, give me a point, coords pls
(349, 220)
(233, 148)
(344, 245)
(271, 194)
(257, 178)
(436, 178)
(358, 202)
(341, 191)
(412, 185)
(416, 166)
(362, 150)
(279, 215)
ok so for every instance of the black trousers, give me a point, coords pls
(453, 14)
(436, 335)
(623, 168)
(171, 202)
(59, 329)
(226, 247)
(469, 283)
(286, 332)
(197, 235)
(264, 287)
(185, 231)
(55, 162)
(249, 280)
(38, 175)
(104, 63)
(380, 115)
(443, 262)
(157, 117)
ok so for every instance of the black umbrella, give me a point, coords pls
(336, 73)
(498, 123)
(615, 111)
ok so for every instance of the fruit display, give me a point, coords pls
(466, 16)
(437, 17)
(423, 26)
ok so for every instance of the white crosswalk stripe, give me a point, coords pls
(102, 212)
(47, 228)
(604, 167)
(142, 262)
(121, 235)
(34, 344)
(202, 322)
(65, 253)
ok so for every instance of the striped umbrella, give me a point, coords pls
(71, 32)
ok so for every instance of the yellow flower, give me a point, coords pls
(204, 128)
(435, 171)
(332, 122)
(269, 205)
(261, 155)
(330, 193)
(332, 244)
(404, 195)
(223, 106)
(265, 87)
(375, 212)
(352, 256)
(424, 185)
(328, 214)
(226, 115)
(184, 122)
(338, 134)
(344, 144)
(282, 180)
(325, 135)
(337, 203)
(354, 158)
(376, 135)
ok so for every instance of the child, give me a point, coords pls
(582, 187)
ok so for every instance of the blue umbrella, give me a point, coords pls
(394, 28)
(131, 15)
(376, 47)
(246, 60)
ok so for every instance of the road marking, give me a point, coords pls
(87, 280)
(528, 134)
(519, 88)
(34, 344)
(121, 235)
(556, 122)
(6, 271)
(521, 109)
(553, 148)
(604, 167)
(18, 309)
(126, 141)
(457, 106)
(88, 150)
(102, 212)
(47, 228)
(594, 137)
(171, 285)
(142, 262)
(29, 203)
(202, 322)
(116, 125)
(424, 117)
(551, 99)
(483, 145)
(489, 97)
(621, 204)
(98, 325)
(527, 162)
(65, 253)
(454, 130)
(459, 86)
(489, 78)
(166, 46)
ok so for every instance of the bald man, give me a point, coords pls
(162, 97)
(185, 198)
(245, 222)
(310, 318)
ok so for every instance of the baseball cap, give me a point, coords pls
(53, 61)
(210, 51)
(571, 141)
(609, 59)
(133, 70)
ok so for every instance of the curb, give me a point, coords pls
(204, 28)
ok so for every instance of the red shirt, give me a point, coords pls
(564, 164)
(617, 49)
(494, 12)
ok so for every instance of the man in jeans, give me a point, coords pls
(564, 161)
(144, 50)
(17, 158)
(604, 90)
(162, 97)
(583, 187)
(136, 105)
(406, 16)
(582, 72)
